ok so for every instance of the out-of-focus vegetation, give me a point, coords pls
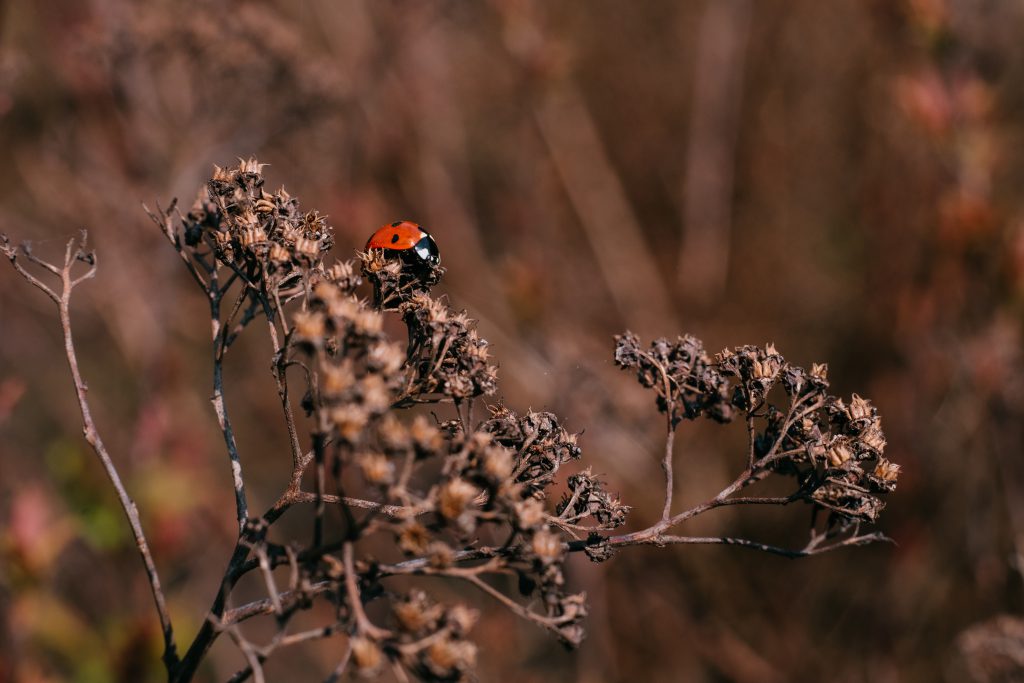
(841, 178)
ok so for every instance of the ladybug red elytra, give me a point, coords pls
(409, 240)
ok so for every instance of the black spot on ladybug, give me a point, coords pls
(394, 238)
(396, 224)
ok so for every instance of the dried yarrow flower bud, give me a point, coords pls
(445, 356)
(461, 619)
(587, 498)
(377, 469)
(681, 375)
(416, 613)
(449, 658)
(541, 444)
(413, 539)
(367, 656)
(546, 546)
(440, 555)
(454, 497)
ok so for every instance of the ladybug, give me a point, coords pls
(408, 241)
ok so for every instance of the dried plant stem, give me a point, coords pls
(666, 466)
(339, 670)
(72, 254)
(219, 406)
(363, 623)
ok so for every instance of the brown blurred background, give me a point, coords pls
(841, 178)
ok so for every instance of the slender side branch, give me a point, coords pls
(74, 254)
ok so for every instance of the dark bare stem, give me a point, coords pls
(219, 406)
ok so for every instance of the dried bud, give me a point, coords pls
(394, 437)
(377, 469)
(447, 658)
(425, 435)
(872, 440)
(529, 513)
(440, 555)
(461, 618)
(887, 471)
(306, 247)
(416, 613)
(375, 394)
(414, 539)
(278, 254)
(337, 379)
(309, 326)
(454, 496)
(366, 655)
(386, 357)
(838, 453)
(498, 463)
(547, 546)
(349, 421)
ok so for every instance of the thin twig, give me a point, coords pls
(73, 255)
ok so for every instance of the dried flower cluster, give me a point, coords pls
(463, 499)
(832, 449)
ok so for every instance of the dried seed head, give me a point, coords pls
(393, 435)
(337, 379)
(448, 657)
(414, 538)
(386, 357)
(838, 453)
(250, 166)
(416, 613)
(872, 440)
(309, 326)
(859, 409)
(375, 394)
(498, 463)
(461, 618)
(366, 655)
(426, 436)
(368, 323)
(529, 513)
(278, 254)
(377, 469)
(306, 247)
(222, 175)
(327, 293)
(887, 471)
(454, 496)
(547, 546)
(349, 420)
(440, 555)
(341, 270)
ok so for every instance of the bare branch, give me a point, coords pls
(92, 435)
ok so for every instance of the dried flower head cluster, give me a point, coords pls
(443, 494)
(263, 237)
(833, 449)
